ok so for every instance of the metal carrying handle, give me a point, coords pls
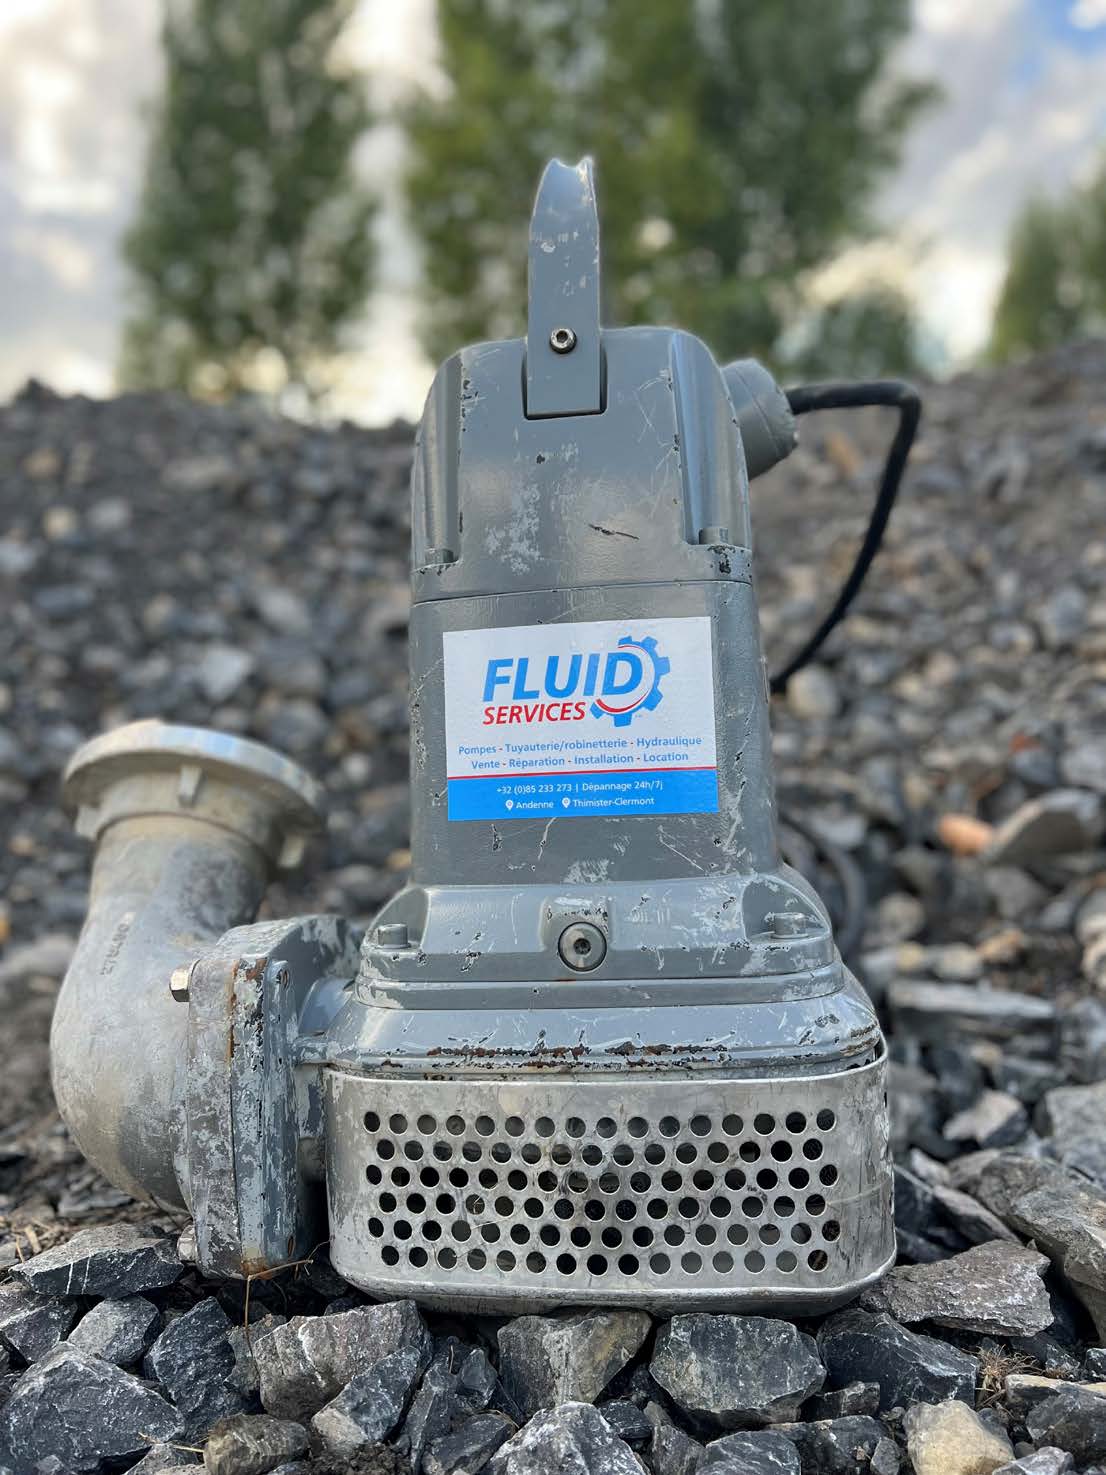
(563, 363)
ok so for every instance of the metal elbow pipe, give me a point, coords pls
(188, 826)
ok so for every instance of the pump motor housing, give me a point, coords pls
(601, 1048)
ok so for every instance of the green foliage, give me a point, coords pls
(1055, 285)
(736, 146)
(251, 247)
(864, 335)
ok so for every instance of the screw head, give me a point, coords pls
(787, 924)
(582, 947)
(391, 934)
(562, 340)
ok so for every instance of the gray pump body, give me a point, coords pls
(601, 1048)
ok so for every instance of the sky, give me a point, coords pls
(1023, 112)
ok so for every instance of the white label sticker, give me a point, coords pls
(603, 717)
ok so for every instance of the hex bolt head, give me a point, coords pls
(391, 934)
(562, 340)
(582, 947)
(438, 555)
(787, 924)
(180, 982)
(710, 536)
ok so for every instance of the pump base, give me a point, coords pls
(765, 1194)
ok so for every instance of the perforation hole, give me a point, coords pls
(700, 1125)
(764, 1123)
(732, 1125)
(754, 1262)
(831, 1230)
(812, 1149)
(624, 1155)
(826, 1121)
(418, 1256)
(605, 1127)
(637, 1126)
(786, 1262)
(575, 1126)
(718, 1152)
(828, 1175)
(397, 1122)
(794, 1121)
(660, 1264)
(513, 1126)
(687, 1152)
(372, 1122)
(427, 1124)
(748, 1152)
(654, 1154)
(723, 1262)
(544, 1127)
(691, 1263)
(668, 1126)
(817, 1260)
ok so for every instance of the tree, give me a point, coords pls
(251, 247)
(863, 335)
(736, 145)
(1055, 284)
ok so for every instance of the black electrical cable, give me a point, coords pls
(849, 924)
(894, 393)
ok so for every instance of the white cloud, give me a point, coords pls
(1086, 15)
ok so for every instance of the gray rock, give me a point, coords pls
(1048, 1461)
(969, 1217)
(1062, 617)
(164, 1457)
(33, 1325)
(222, 670)
(245, 1376)
(82, 1411)
(48, 957)
(435, 1407)
(1073, 1111)
(117, 1331)
(940, 1011)
(1083, 763)
(114, 1260)
(951, 1439)
(546, 1360)
(994, 1120)
(1026, 1390)
(1073, 1420)
(193, 1361)
(371, 1404)
(574, 1437)
(812, 694)
(836, 1446)
(995, 1288)
(1083, 1040)
(909, 1367)
(628, 1421)
(470, 1446)
(1057, 823)
(253, 1444)
(1095, 1362)
(305, 1363)
(854, 1398)
(736, 1370)
(671, 1450)
(759, 1452)
(1068, 1222)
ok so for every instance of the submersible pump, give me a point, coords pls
(601, 1048)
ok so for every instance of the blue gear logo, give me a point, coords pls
(641, 695)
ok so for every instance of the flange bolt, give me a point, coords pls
(582, 946)
(562, 340)
(391, 934)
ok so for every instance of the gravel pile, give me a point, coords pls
(162, 558)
